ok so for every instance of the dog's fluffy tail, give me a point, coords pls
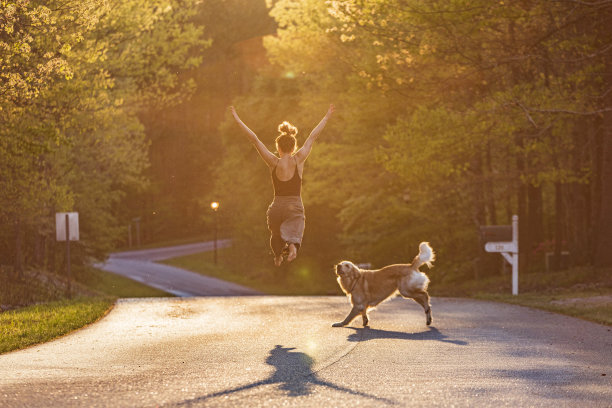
(426, 256)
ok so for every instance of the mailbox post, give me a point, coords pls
(509, 250)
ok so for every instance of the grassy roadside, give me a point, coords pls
(117, 286)
(56, 316)
(593, 305)
(295, 280)
(39, 323)
(582, 292)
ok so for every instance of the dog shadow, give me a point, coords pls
(294, 375)
(367, 333)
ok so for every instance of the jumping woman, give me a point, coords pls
(286, 213)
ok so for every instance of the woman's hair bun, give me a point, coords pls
(287, 128)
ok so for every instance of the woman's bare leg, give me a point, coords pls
(278, 260)
(292, 253)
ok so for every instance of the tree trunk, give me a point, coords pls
(51, 256)
(556, 260)
(578, 220)
(38, 257)
(478, 213)
(490, 193)
(524, 234)
(19, 255)
(577, 201)
(603, 251)
(534, 195)
(603, 243)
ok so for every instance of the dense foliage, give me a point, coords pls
(73, 77)
(451, 115)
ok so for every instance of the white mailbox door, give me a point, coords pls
(501, 247)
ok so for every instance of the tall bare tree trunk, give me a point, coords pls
(38, 258)
(603, 247)
(603, 243)
(490, 193)
(536, 229)
(577, 199)
(19, 253)
(559, 216)
(523, 209)
(478, 213)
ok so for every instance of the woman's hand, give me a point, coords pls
(331, 110)
(233, 110)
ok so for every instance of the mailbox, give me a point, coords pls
(496, 233)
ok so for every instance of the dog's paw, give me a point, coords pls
(428, 316)
(337, 325)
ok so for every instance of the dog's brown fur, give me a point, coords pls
(366, 289)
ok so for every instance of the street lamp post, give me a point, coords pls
(215, 206)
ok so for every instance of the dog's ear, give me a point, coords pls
(354, 271)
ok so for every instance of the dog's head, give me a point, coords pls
(347, 269)
(347, 274)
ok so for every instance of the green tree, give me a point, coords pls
(489, 102)
(72, 138)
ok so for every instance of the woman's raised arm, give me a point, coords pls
(263, 151)
(303, 153)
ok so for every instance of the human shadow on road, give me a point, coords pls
(293, 373)
(367, 333)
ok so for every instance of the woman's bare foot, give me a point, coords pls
(292, 253)
(278, 260)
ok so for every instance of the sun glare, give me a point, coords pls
(311, 346)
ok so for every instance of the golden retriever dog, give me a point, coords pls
(366, 289)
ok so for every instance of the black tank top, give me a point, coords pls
(291, 187)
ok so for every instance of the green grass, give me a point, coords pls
(39, 323)
(537, 289)
(565, 301)
(97, 292)
(542, 290)
(117, 286)
(299, 278)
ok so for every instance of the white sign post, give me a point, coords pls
(67, 229)
(67, 226)
(509, 251)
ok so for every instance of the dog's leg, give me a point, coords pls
(364, 315)
(422, 298)
(352, 314)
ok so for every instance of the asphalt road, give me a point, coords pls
(282, 351)
(140, 265)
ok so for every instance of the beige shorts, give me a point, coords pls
(286, 222)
